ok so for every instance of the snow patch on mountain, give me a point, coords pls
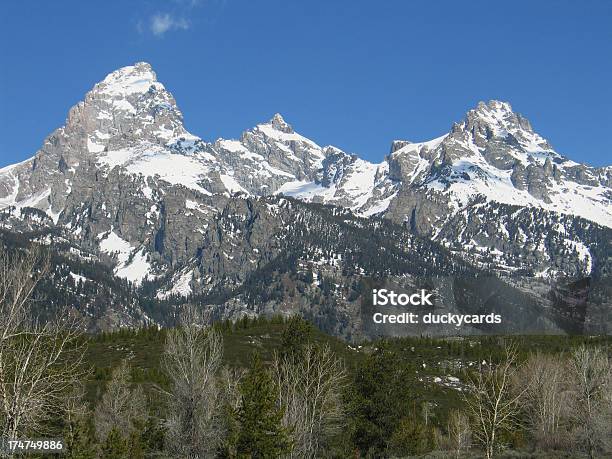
(132, 263)
(231, 184)
(584, 253)
(152, 160)
(94, 147)
(379, 206)
(181, 286)
(306, 190)
(269, 130)
(352, 186)
(136, 269)
(419, 146)
(77, 277)
(112, 244)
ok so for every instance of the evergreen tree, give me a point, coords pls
(411, 437)
(380, 398)
(296, 334)
(260, 432)
(115, 446)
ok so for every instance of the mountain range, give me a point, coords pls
(274, 223)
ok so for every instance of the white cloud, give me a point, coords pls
(162, 23)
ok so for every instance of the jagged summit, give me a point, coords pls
(494, 105)
(497, 119)
(137, 78)
(142, 70)
(279, 123)
(131, 124)
(126, 179)
(498, 116)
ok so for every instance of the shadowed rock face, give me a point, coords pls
(129, 183)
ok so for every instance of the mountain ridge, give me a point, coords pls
(490, 142)
(176, 216)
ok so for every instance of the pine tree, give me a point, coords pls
(296, 334)
(115, 446)
(260, 432)
(411, 437)
(152, 436)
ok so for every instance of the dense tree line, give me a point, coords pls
(304, 397)
(538, 398)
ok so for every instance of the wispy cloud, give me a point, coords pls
(177, 15)
(164, 22)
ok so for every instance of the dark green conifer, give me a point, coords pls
(115, 446)
(411, 437)
(260, 432)
(296, 334)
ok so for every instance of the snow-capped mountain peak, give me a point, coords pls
(495, 154)
(130, 121)
(496, 121)
(279, 123)
(130, 183)
(137, 78)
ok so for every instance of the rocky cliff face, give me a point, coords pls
(178, 216)
(130, 121)
(494, 153)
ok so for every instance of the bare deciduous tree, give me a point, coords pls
(491, 403)
(76, 411)
(192, 357)
(310, 391)
(459, 432)
(121, 407)
(543, 380)
(40, 361)
(229, 382)
(591, 407)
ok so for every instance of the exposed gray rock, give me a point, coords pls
(131, 185)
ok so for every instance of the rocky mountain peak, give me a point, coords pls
(502, 135)
(494, 105)
(497, 117)
(128, 107)
(130, 124)
(398, 145)
(126, 120)
(137, 78)
(279, 123)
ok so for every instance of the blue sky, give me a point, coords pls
(356, 74)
